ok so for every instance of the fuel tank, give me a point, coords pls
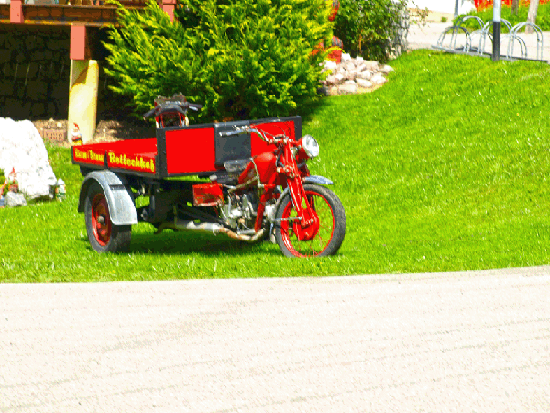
(266, 165)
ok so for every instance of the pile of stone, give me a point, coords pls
(22, 151)
(353, 75)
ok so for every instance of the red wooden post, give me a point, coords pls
(79, 49)
(16, 11)
(168, 6)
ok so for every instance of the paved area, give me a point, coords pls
(426, 36)
(452, 342)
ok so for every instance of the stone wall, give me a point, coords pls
(34, 71)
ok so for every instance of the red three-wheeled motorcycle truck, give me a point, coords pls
(258, 184)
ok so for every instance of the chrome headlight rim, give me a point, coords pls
(310, 146)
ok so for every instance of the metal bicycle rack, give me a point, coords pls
(514, 35)
(479, 32)
(510, 36)
(487, 33)
(454, 30)
(484, 32)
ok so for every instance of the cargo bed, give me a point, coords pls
(179, 151)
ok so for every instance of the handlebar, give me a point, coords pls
(261, 122)
(238, 131)
(274, 139)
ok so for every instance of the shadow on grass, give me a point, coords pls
(309, 110)
(183, 243)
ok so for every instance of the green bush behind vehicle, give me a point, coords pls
(240, 58)
(374, 29)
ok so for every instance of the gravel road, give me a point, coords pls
(452, 342)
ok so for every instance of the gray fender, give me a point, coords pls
(317, 179)
(312, 179)
(119, 196)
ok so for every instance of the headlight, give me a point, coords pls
(310, 146)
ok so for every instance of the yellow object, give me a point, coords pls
(83, 98)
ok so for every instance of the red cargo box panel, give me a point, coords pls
(187, 150)
(203, 149)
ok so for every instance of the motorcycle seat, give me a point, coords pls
(235, 167)
(223, 178)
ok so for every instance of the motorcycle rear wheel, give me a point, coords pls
(104, 236)
(332, 224)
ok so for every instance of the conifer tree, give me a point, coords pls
(240, 58)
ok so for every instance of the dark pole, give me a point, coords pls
(456, 9)
(496, 30)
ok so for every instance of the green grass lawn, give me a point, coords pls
(444, 168)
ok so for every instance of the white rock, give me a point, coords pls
(367, 74)
(333, 91)
(347, 88)
(360, 59)
(330, 65)
(372, 65)
(15, 200)
(346, 57)
(349, 66)
(351, 75)
(378, 79)
(386, 69)
(364, 83)
(331, 80)
(22, 148)
(339, 77)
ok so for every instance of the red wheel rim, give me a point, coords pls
(321, 240)
(101, 220)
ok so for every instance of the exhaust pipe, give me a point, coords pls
(209, 227)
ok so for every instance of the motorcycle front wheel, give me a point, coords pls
(332, 224)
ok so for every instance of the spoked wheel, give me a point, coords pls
(104, 236)
(332, 224)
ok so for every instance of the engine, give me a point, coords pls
(240, 211)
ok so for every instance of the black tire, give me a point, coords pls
(332, 224)
(104, 236)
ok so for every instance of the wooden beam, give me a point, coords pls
(60, 15)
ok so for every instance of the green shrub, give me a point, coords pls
(373, 29)
(240, 58)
